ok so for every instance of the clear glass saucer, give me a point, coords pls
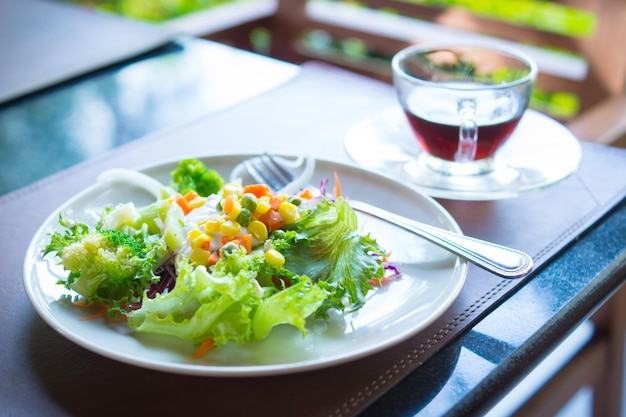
(540, 153)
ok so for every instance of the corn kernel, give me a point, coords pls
(263, 205)
(194, 233)
(273, 257)
(258, 230)
(232, 188)
(200, 241)
(199, 256)
(197, 202)
(230, 228)
(213, 223)
(289, 212)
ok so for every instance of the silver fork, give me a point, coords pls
(500, 260)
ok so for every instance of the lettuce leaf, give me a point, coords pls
(226, 304)
(289, 306)
(201, 306)
(328, 248)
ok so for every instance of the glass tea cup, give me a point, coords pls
(462, 101)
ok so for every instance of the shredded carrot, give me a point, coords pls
(383, 281)
(204, 348)
(337, 185)
(81, 303)
(102, 313)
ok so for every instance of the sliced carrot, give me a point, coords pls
(259, 190)
(337, 185)
(204, 348)
(184, 204)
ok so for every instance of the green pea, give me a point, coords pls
(248, 200)
(296, 201)
(229, 249)
(244, 217)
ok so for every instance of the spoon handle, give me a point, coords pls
(498, 259)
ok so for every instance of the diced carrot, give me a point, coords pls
(275, 202)
(228, 204)
(306, 194)
(259, 190)
(206, 245)
(191, 195)
(337, 185)
(213, 258)
(184, 204)
(273, 220)
(246, 242)
(204, 348)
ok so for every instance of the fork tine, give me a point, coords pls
(275, 174)
(281, 171)
(254, 172)
(264, 172)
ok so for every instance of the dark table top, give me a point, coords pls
(466, 375)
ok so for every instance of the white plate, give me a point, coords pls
(431, 282)
(540, 153)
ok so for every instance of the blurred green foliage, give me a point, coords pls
(543, 15)
(152, 10)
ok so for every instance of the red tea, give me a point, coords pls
(442, 140)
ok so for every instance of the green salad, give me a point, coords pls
(216, 262)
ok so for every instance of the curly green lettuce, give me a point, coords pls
(106, 266)
(226, 304)
(327, 247)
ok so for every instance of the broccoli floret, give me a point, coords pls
(192, 174)
(107, 266)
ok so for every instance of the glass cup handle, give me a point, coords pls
(468, 132)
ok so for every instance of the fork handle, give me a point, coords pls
(500, 260)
